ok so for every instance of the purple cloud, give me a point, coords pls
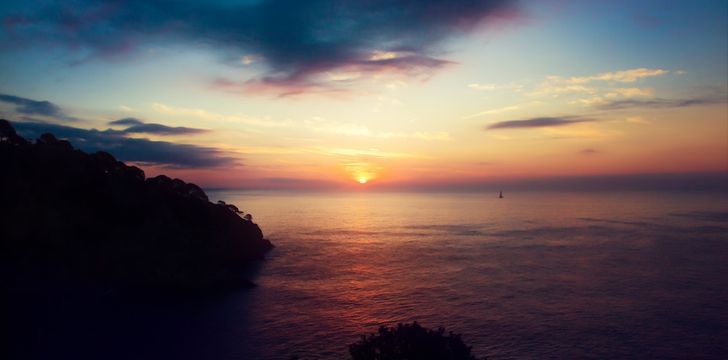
(537, 122)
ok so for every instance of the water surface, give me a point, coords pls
(530, 276)
(533, 275)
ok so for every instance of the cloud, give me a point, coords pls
(334, 81)
(592, 101)
(657, 103)
(588, 151)
(483, 87)
(630, 92)
(593, 84)
(143, 151)
(625, 76)
(612, 94)
(137, 126)
(538, 122)
(127, 121)
(493, 87)
(280, 87)
(295, 41)
(493, 111)
(160, 129)
(34, 107)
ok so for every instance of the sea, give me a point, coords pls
(534, 275)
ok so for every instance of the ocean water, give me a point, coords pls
(534, 275)
(530, 276)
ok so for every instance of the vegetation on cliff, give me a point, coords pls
(73, 218)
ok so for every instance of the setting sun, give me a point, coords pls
(362, 180)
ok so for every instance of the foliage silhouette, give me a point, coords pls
(409, 342)
(68, 218)
(230, 207)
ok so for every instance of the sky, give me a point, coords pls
(268, 94)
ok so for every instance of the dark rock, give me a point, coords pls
(73, 219)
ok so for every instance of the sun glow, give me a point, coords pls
(361, 171)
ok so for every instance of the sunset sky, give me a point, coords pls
(262, 94)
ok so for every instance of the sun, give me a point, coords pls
(362, 180)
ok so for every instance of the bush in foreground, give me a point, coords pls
(410, 341)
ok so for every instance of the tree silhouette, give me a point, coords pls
(230, 207)
(409, 342)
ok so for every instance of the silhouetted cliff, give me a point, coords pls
(80, 219)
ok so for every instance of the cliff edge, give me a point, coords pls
(68, 218)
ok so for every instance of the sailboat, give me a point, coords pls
(500, 196)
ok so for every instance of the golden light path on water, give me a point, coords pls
(518, 278)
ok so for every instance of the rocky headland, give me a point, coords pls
(72, 219)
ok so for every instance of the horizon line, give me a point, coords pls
(689, 181)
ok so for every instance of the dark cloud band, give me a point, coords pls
(659, 103)
(160, 129)
(127, 122)
(130, 149)
(34, 107)
(537, 122)
(137, 126)
(296, 40)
